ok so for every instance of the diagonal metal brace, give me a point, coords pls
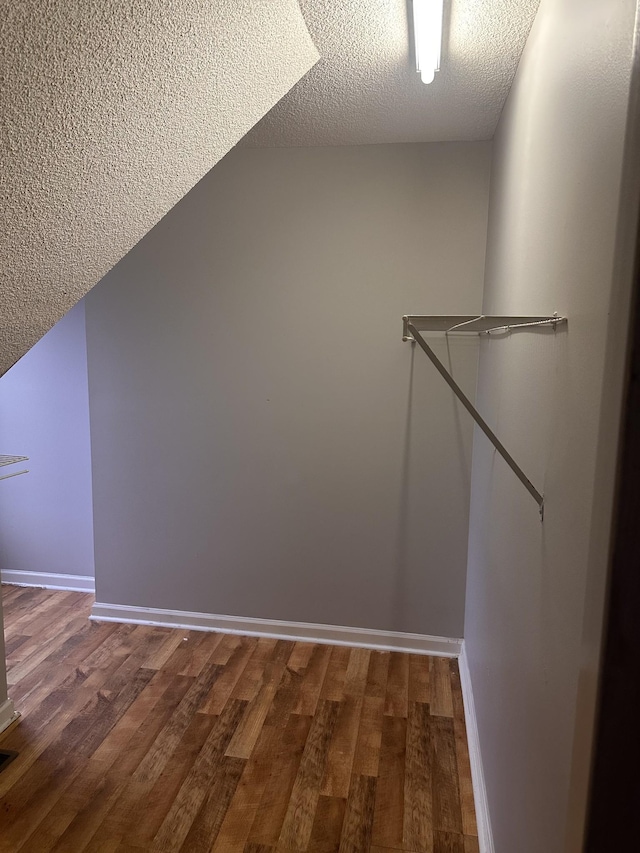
(484, 426)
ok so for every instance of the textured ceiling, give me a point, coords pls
(110, 113)
(365, 88)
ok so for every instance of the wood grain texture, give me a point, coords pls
(298, 821)
(471, 844)
(388, 818)
(140, 738)
(367, 755)
(273, 806)
(397, 698)
(448, 842)
(440, 684)
(469, 825)
(358, 820)
(417, 833)
(447, 812)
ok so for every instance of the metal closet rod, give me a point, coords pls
(442, 324)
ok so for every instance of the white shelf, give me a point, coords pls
(477, 324)
(12, 460)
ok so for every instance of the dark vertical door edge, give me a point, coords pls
(615, 784)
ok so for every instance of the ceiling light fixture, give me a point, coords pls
(427, 34)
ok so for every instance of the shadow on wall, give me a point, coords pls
(412, 480)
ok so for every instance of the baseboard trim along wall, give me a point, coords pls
(306, 631)
(485, 836)
(8, 714)
(47, 580)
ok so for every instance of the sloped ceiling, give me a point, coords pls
(365, 88)
(110, 113)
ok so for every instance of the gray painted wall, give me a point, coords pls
(551, 246)
(263, 442)
(46, 520)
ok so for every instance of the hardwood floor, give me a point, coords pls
(136, 738)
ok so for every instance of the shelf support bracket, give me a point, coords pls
(475, 414)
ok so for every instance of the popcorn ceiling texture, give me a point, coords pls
(365, 88)
(110, 113)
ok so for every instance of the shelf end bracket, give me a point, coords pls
(410, 333)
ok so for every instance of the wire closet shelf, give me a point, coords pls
(478, 324)
(12, 460)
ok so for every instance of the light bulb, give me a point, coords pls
(427, 31)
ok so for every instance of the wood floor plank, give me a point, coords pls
(164, 745)
(210, 782)
(447, 812)
(367, 755)
(285, 698)
(248, 731)
(357, 671)
(300, 657)
(311, 685)
(43, 638)
(448, 842)
(41, 733)
(248, 685)
(298, 821)
(228, 645)
(238, 820)
(73, 820)
(417, 833)
(467, 803)
(13, 644)
(175, 689)
(327, 825)
(78, 649)
(40, 651)
(165, 650)
(219, 695)
(31, 607)
(267, 824)
(378, 675)
(419, 678)
(123, 812)
(388, 819)
(31, 799)
(206, 826)
(397, 695)
(192, 653)
(337, 773)
(358, 819)
(376, 849)
(336, 674)
(440, 682)
(161, 796)
(135, 741)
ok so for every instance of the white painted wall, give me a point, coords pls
(46, 521)
(264, 444)
(555, 192)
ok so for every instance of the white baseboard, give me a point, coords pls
(306, 631)
(8, 714)
(48, 580)
(485, 836)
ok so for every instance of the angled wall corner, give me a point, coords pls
(111, 113)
